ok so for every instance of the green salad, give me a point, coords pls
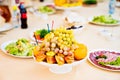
(46, 9)
(22, 47)
(105, 19)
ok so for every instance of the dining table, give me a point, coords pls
(92, 35)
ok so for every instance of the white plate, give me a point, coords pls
(5, 27)
(102, 24)
(92, 60)
(8, 42)
(68, 8)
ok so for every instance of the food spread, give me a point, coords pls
(60, 47)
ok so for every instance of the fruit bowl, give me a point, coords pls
(60, 51)
(61, 69)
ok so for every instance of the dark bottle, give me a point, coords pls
(23, 13)
(41, 0)
(24, 20)
(24, 23)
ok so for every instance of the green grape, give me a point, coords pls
(63, 35)
(62, 46)
(67, 35)
(68, 39)
(68, 45)
(65, 43)
(64, 39)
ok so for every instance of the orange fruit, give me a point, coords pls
(80, 52)
(39, 54)
(40, 57)
(69, 59)
(59, 2)
(60, 60)
(80, 1)
(50, 59)
(36, 50)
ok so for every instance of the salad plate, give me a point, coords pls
(10, 48)
(104, 20)
(6, 27)
(105, 59)
(47, 9)
(102, 24)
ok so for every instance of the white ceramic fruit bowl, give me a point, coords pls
(61, 69)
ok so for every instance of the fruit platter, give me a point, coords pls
(21, 48)
(104, 20)
(60, 51)
(105, 59)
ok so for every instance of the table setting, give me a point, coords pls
(78, 43)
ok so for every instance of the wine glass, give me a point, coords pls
(111, 11)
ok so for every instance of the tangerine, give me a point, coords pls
(80, 52)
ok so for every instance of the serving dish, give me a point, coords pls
(67, 8)
(102, 20)
(102, 24)
(61, 69)
(108, 55)
(6, 27)
(5, 44)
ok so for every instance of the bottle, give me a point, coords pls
(15, 17)
(15, 21)
(111, 7)
(23, 13)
